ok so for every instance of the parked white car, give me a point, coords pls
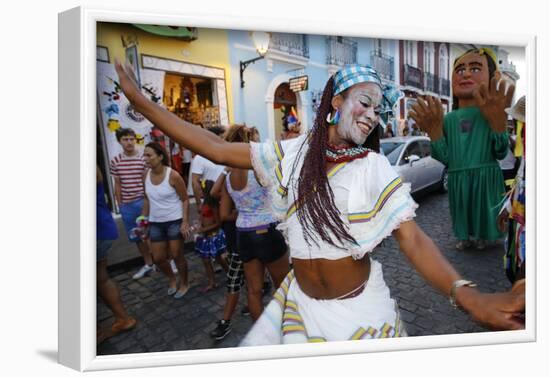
(411, 156)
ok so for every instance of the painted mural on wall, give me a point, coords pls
(116, 111)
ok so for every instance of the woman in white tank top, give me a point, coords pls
(167, 207)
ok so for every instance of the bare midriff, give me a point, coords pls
(330, 279)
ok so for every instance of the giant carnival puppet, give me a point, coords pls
(470, 140)
(336, 199)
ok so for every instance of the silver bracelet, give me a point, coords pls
(457, 284)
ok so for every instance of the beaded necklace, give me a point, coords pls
(342, 153)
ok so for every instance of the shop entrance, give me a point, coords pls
(285, 113)
(191, 98)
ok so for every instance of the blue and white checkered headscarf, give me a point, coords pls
(356, 74)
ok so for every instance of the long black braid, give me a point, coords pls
(316, 210)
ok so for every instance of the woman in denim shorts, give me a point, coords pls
(167, 207)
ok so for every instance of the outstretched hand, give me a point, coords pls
(128, 82)
(499, 311)
(493, 100)
(428, 115)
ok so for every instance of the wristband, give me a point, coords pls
(457, 284)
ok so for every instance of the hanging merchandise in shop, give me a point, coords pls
(192, 98)
(297, 84)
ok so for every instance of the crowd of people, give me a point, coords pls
(235, 226)
(311, 208)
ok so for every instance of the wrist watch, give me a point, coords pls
(457, 284)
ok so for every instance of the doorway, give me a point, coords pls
(285, 107)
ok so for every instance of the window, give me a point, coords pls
(443, 62)
(426, 148)
(411, 53)
(392, 150)
(413, 148)
(429, 58)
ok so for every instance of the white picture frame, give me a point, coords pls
(77, 98)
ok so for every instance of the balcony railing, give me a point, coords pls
(444, 87)
(292, 44)
(430, 82)
(341, 51)
(413, 77)
(383, 64)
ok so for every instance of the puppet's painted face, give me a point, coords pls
(359, 112)
(470, 71)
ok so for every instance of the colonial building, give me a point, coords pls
(268, 92)
(424, 69)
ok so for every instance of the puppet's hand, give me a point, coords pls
(493, 100)
(428, 115)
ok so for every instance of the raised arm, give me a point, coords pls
(495, 311)
(189, 136)
(216, 190)
(428, 115)
(492, 100)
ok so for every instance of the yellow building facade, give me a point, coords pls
(198, 69)
(189, 75)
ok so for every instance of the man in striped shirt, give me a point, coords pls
(128, 169)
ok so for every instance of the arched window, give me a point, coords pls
(411, 53)
(443, 62)
(429, 57)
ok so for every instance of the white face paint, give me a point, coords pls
(359, 112)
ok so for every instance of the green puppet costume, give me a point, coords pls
(469, 141)
(470, 149)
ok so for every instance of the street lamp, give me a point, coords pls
(261, 43)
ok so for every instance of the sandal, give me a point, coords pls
(179, 294)
(463, 244)
(123, 325)
(481, 244)
(209, 288)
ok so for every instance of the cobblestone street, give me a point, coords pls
(167, 324)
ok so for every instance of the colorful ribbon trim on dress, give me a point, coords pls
(363, 217)
(335, 169)
(282, 190)
(293, 322)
